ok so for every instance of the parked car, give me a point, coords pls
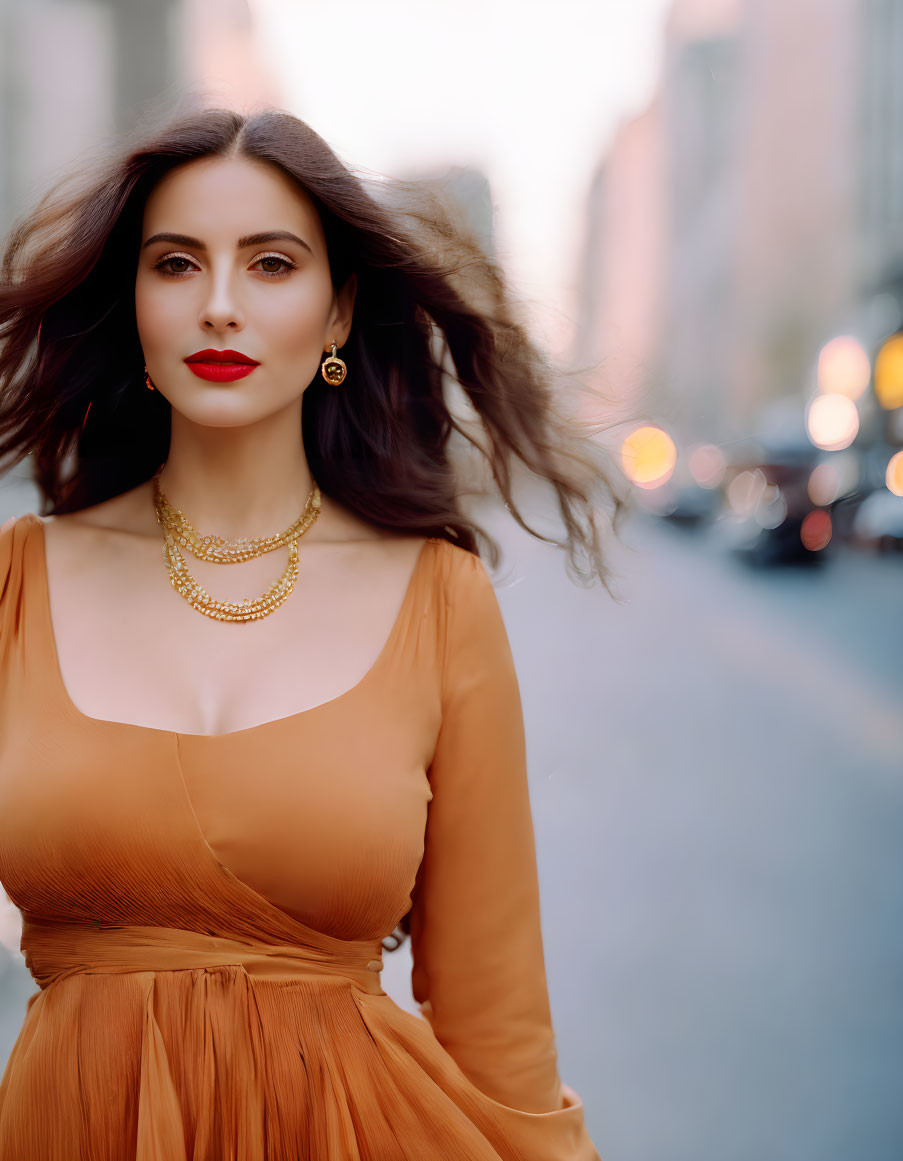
(769, 518)
(692, 506)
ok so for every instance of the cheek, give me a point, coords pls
(294, 322)
(155, 313)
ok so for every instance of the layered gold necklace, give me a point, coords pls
(179, 533)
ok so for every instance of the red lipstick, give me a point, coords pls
(221, 366)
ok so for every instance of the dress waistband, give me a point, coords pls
(54, 950)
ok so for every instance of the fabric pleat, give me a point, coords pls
(160, 1131)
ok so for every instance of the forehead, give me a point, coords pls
(216, 198)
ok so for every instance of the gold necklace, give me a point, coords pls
(179, 531)
(221, 551)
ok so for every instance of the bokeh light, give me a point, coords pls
(894, 475)
(771, 510)
(843, 368)
(745, 491)
(824, 484)
(648, 456)
(815, 531)
(707, 465)
(832, 421)
(848, 466)
(833, 478)
(889, 373)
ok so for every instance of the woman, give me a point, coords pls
(211, 829)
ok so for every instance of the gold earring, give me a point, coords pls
(333, 369)
(147, 380)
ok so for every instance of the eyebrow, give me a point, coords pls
(248, 240)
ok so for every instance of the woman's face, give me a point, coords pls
(218, 287)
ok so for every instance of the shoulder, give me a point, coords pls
(13, 537)
(464, 575)
(474, 642)
(14, 531)
(471, 612)
(68, 539)
(455, 559)
(14, 534)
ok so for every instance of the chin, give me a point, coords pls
(212, 405)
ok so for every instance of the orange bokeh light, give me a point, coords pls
(648, 456)
(889, 373)
(815, 531)
(893, 476)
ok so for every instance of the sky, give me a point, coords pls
(530, 92)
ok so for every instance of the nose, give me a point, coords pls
(221, 309)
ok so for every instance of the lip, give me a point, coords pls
(222, 372)
(209, 355)
(220, 366)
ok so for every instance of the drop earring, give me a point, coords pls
(147, 380)
(333, 369)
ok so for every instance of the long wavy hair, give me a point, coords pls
(435, 331)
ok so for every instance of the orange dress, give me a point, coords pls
(203, 914)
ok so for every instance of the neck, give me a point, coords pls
(237, 481)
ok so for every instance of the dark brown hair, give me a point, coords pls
(433, 318)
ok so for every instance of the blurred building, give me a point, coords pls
(879, 156)
(701, 108)
(75, 73)
(659, 221)
(72, 74)
(621, 277)
(794, 272)
(222, 59)
(775, 149)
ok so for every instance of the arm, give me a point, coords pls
(479, 970)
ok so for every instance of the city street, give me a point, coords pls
(717, 783)
(676, 223)
(717, 788)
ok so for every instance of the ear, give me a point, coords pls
(343, 310)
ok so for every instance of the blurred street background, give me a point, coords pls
(700, 206)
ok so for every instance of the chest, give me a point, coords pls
(129, 648)
(112, 818)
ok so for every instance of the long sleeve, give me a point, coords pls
(479, 970)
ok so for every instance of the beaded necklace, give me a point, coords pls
(180, 533)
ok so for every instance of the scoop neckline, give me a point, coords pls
(382, 656)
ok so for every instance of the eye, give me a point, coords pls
(286, 262)
(165, 268)
(163, 262)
